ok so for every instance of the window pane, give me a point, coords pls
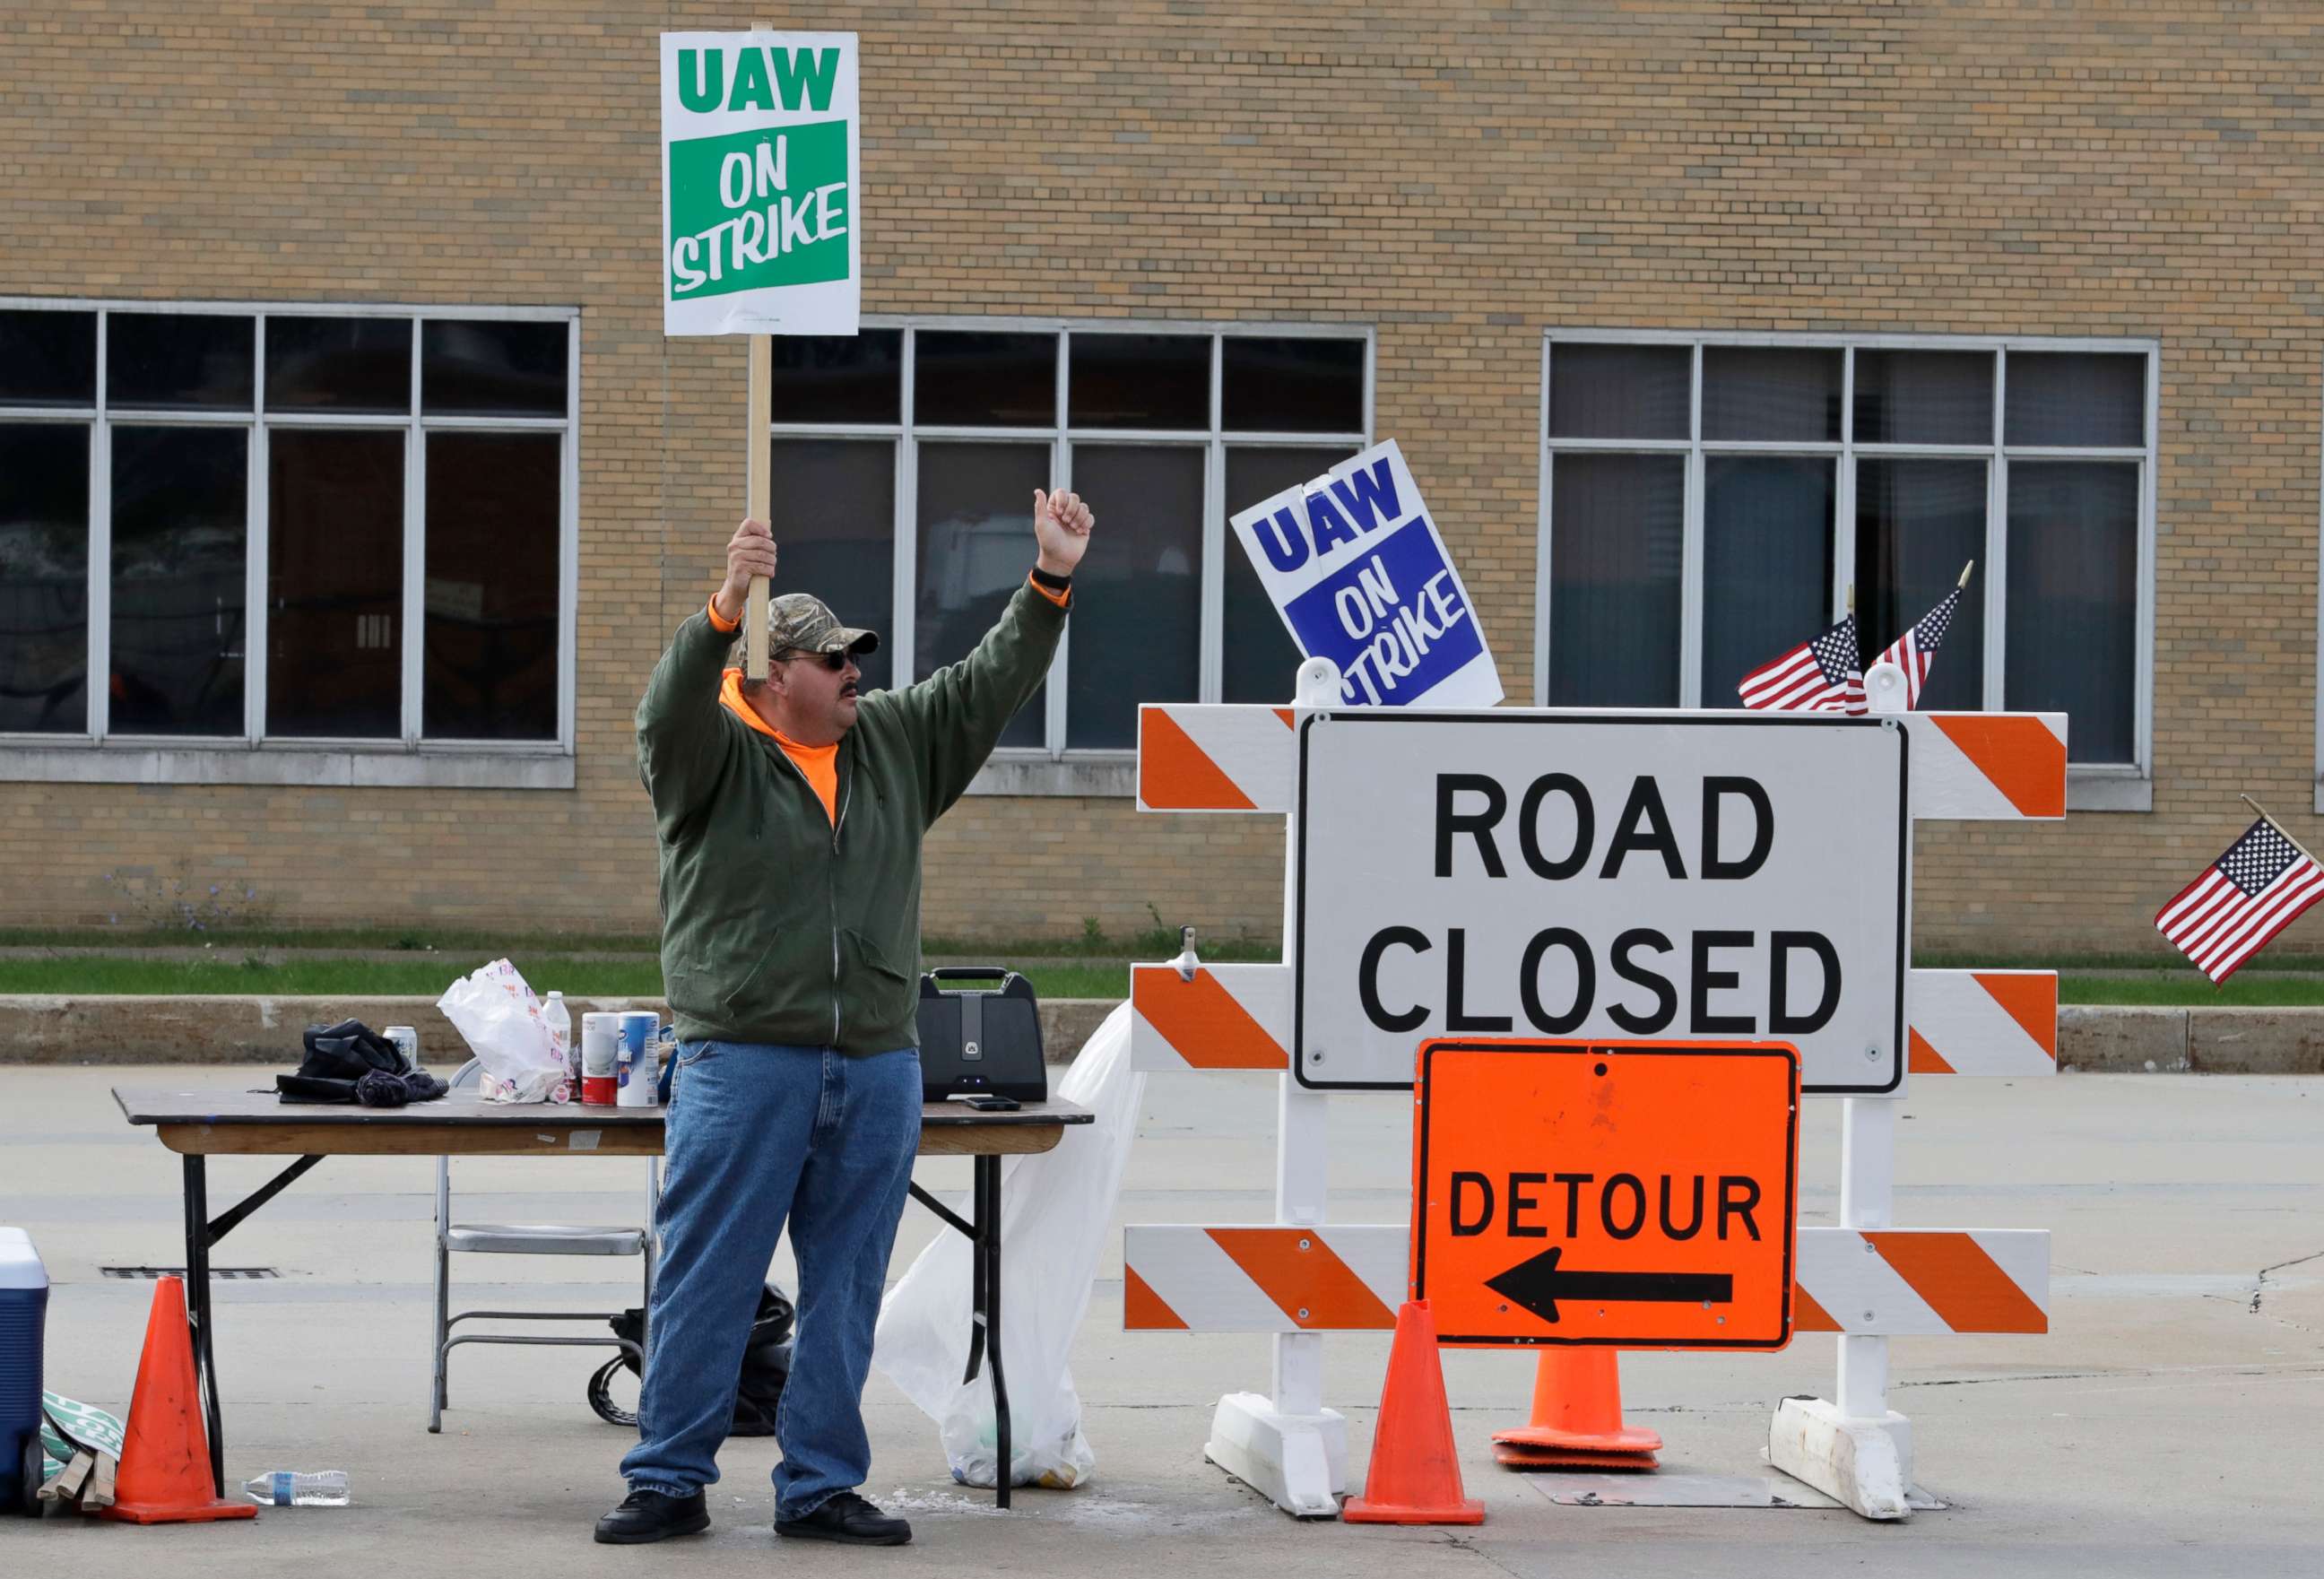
(1615, 525)
(979, 380)
(338, 364)
(180, 532)
(835, 527)
(1292, 385)
(2076, 398)
(47, 359)
(492, 369)
(975, 547)
(1917, 523)
(1257, 658)
(2073, 600)
(839, 378)
(1767, 562)
(178, 361)
(488, 658)
(1141, 600)
(1140, 381)
(1619, 391)
(1771, 393)
(334, 583)
(44, 577)
(1924, 397)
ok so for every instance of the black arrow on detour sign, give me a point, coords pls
(1538, 1284)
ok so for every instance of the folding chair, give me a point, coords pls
(526, 1239)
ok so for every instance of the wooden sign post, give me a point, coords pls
(761, 490)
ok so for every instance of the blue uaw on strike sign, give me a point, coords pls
(1360, 574)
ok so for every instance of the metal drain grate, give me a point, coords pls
(181, 1271)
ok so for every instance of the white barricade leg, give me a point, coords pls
(1290, 1446)
(1857, 1450)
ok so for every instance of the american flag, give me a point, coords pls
(1818, 676)
(1916, 648)
(2245, 897)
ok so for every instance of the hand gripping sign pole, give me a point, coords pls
(1864, 1280)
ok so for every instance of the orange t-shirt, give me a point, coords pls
(820, 763)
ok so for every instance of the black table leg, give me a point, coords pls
(976, 1279)
(988, 1222)
(202, 1234)
(197, 1311)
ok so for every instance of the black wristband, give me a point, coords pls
(1054, 583)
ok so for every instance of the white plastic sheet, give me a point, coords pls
(493, 1009)
(1054, 1211)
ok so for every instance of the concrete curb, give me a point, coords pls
(256, 1029)
(120, 1030)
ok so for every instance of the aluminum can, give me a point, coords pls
(407, 1042)
(601, 1034)
(633, 1057)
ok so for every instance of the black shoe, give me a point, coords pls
(651, 1516)
(849, 1518)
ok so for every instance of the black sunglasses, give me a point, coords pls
(834, 662)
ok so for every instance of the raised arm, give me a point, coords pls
(681, 734)
(955, 716)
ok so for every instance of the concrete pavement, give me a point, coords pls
(2168, 1425)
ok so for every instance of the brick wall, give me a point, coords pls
(1462, 175)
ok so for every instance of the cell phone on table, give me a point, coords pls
(994, 1105)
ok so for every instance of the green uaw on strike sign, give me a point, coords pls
(761, 232)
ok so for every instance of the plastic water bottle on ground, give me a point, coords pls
(282, 1488)
(560, 1020)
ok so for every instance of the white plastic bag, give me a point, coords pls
(1054, 1211)
(501, 1018)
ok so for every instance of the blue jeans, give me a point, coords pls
(755, 1134)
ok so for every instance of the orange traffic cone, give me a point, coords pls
(1414, 1478)
(165, 1454)
(1577, 1417)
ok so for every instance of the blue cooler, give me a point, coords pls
(23, 1311)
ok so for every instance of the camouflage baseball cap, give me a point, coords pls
(797, 622)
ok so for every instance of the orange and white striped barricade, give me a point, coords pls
(1967, 767)
(1900, 1283)
(1297, 1278)
(1283, 1443)
(1239, 1017)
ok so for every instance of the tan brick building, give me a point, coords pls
(323, 324)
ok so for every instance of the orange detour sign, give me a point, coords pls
(1632, 1194)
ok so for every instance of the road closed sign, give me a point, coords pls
(1589, 876)
(1638, 1194)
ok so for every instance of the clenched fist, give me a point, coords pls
(1061, 525)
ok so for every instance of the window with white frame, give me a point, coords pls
(286, 526)
(906, 457)
(1708, 503)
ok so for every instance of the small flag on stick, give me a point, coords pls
(2253, 890)
(1915, 652)
(1818, 675)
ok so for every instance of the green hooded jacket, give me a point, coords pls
(778, 926)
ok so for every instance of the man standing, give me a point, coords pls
(790, 815)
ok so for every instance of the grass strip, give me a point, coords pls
(2189, 989)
